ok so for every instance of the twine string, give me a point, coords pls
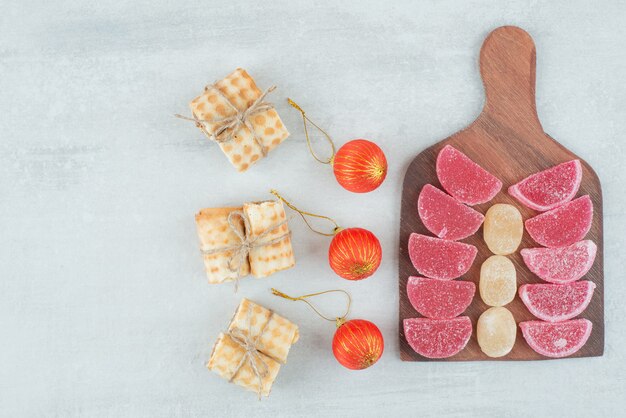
(306, 119)
(339, 320)
(304, 214)
(251, 355)
(241, 250)
(230, 125)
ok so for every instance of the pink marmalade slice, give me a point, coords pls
(439, 258)
(446, 217)
(559, 339)
(439, 299)
(550, 188)
(564, 225)
(557, 302)
(561, 265)
(437, 338)
(464, 179)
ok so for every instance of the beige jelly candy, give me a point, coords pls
(498, 281)
(503, 229)
(496, 332)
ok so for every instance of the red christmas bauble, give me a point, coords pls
(358, 344)
(360, 166)
(354, 253)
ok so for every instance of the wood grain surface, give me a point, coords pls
(508, 140)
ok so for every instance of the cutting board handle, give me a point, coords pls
(507, 67)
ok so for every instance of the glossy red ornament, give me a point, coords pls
(360, 166)
(358, 344)
(354, 253)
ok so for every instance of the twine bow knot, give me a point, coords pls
(230, 125)
(252, 355)
(247, 243)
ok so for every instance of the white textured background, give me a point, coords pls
(104, 308)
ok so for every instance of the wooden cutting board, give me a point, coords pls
(506, 139)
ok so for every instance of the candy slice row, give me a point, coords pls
(561, 228)
(440, 299)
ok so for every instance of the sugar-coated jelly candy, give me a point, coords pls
(498, 281)
(439, 299)
(439, 258)
(503, 229)
(496, 330)
(561, 265)
(437, 338)
(445, 216)
(465, 180)
(557, 302)
(550, 188)
(556, 339)
(562, 226)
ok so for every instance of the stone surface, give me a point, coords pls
(104, 306)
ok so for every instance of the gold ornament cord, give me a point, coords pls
(305, 119)
(337, 320)
(304, 214)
